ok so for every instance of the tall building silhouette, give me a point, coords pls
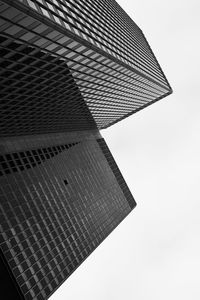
(68, 68)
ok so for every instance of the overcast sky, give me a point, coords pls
(155, 253)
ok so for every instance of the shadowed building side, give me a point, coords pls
(38, 93)
(58, 203)
(9, 286)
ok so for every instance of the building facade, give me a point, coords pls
(67, 70)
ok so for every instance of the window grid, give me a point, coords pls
(72, 22)
(50, 228)
(112, 75)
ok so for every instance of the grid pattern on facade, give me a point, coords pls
(17, 162)
(116, 172)
(104, 24)
(110, 90)
(9, 287)
(38, 93)
(55, 214)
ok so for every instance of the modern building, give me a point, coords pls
(68, 69)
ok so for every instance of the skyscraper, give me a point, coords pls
(67, 69)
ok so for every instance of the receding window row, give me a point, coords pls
(76, 16)
(20, 161)
(59, 39)
(33, 61)
(48, 14)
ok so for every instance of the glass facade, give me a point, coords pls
(104, 24)
(68, 68)
(110, 86)
(58, 203)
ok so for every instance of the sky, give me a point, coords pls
(155, 252)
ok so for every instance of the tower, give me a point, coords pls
(68, 69)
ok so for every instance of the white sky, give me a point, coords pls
(155, 252)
